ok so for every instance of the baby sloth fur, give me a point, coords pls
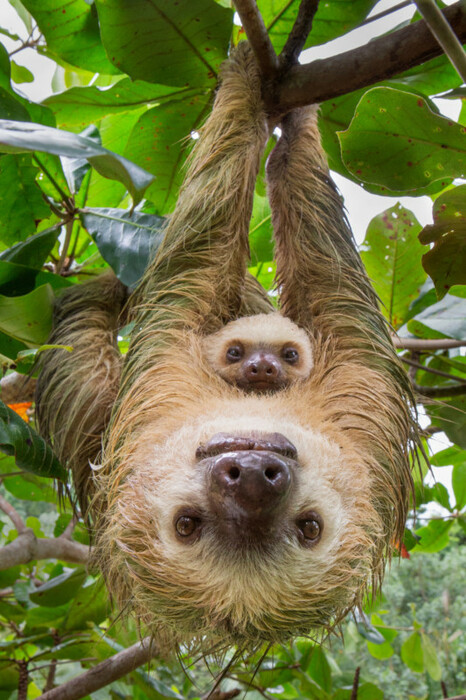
(223, 517)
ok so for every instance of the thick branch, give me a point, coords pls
(424, 345)
(104, 673)
(440, 392)
(299, 33)
(258, 37)
(17, 388)
(27, 547)
(380, 59)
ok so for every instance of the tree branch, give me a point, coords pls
(425, 345)
(438, 372)
(16, 388)
(444, 34)
(27, 547)
(258, 37)
(13, 514)
(104, 673)
(354, 690)
(299, 33)
(380, 59)
(440, 392)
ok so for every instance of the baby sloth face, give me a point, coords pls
(261, 353)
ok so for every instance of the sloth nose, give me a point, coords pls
(261, 366)
(249, 485)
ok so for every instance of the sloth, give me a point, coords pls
(225, 517)
(260, 353)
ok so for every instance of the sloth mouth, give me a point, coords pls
(265, 442)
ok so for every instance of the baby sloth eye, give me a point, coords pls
(188, 527)
(235, 353)
(310, 528)
(290, 355)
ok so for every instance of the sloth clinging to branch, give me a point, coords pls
(224, 517)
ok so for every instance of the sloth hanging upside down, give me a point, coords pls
(224, 516)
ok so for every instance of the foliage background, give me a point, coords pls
(139, 82)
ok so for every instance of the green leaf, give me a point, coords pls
(450, 416)
(126, 241)
(16, 137)
(430, 658)
(91, 604)
(160, 143)
(392, 255)
(31, 452)
(388, 634)
(380, 651)
(60, 589)
(319, 669)
(21, 202)
(449, 456)
(28, 318)
(78, 107)
(445, 262)
(459, 484)
(20, 74)
(192, 39)
(34, 251)
(397, 141)
(261, 231)
(440, 494)
(412, 653)
(446, 318)
(72, 33)
(434, 536)
(332, 19)
(9, 347)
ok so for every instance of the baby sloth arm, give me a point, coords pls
(261, 353)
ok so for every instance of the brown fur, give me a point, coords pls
(350, 420)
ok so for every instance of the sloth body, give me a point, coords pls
(224, 517)
(260, 353)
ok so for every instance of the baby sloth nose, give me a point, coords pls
(261, 367)
(249, 486)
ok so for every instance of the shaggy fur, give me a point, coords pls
(350, 420)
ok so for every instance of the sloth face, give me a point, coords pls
(238, 536)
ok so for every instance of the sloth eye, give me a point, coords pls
(188, 527)
(235, 353)
(290, 355)
(310, 528)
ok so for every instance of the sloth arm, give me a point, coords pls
(323, 284)
(197, 279)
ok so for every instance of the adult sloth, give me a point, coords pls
(228, 518)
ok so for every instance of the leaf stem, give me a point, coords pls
(63, 195)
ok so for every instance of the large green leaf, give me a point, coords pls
(34, 250)
(392, 256)
(78, 107)
(60, 589)
(333, 18)
(71, 30)
(17, 137)
(159, 142)
(30, 451)
(21, 202)
(430, 658)
(28, 318)
(459, 484)
(445, 262)
(396, 140)
(170, 43)
(446, 318)
(90, 603)
(434, 536)
(412, 653)
(126, 241)
(261, 231)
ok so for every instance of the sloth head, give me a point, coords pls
(261, 353)
(222, 535)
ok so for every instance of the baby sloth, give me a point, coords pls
(261, 353)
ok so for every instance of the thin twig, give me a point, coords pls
(104, 673)
(298, 35)
(256, 32)
(13, 514)
(426, 345)
(66, 245)
(354, 691)
(440, 392)
(438, 372)
(444, 34)
(389, 11)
